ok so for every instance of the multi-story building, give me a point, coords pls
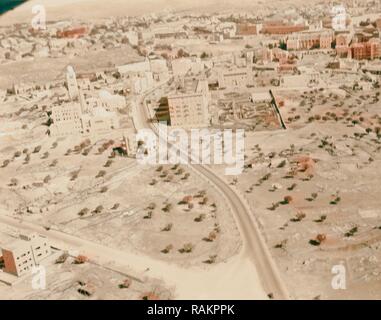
(189, 109)
(240, 77)
(310, 40)
(279, 27)
(247, 29)
(26, 252)
(366, 50)
(82, 116)
(67, 120)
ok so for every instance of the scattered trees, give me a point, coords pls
(187, 248)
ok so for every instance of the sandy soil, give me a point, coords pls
(330, 170)
(42, 70)
(64, 280)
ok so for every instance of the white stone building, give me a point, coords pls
(190, 108)
(23, 254)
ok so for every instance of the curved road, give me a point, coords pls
(254, 246)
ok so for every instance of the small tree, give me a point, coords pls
(167, 249)
(5, 163)
(211, 237)
(148, 215)
(187, 248)
(100, 174)
(13, 182)
(204, 201)
(37, 149)
(81, 259)
(98, 209)
(125, 284)
(287, 200)
(108, 163)
(168, 227)
(115, 206)
(167, 207)
(200, 218)
(212, 259)
(83, 212)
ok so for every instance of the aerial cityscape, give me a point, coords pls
(176, 150)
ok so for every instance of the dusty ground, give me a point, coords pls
(42, 70)
(329, 169)
(111, 200)
(64, 281)
(313, 188)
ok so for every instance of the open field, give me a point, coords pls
(315, 192)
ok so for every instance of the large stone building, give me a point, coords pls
(82, 116)
(279, 27)
(189, 108)
(366, 50)
(67, 120)
(23, 254)
(236, 78)
(310, 40)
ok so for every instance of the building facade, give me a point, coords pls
(366, 50)
(188, 110)
(310, 40)
(25, 253)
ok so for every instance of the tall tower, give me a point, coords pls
(72, 84)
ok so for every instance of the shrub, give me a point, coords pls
(98, 209)
(167, 249)
(168, 227)
(125, 284)
(287, 200)
(100, 174)
(314, 242)
(5, 163)
(115, 206)
(37, 149)
(321, 219)
(80, 259)
(108, 163)
(148, 215)
(212, 259)
(351, 232)
(83, 212)
(200, 218)
(167, 207)
(211, 236)
(292, 187)
(187, 248)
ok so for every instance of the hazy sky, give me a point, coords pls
(61, 9)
